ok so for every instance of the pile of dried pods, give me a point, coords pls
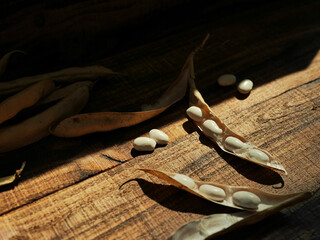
(61, 118)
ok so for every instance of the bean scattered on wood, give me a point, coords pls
(159, 136)
(144, 144)
(245, 86)
(227, 80)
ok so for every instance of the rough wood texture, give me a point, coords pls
(73, 185)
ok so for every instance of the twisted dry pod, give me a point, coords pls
(10, 179)
(218, 224)
(244, 198)
(5, 59)
(219, 133)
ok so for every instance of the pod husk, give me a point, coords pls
(87, 123)
(196, 99)
(267, 199)
(67, 75)
(24, 99)
(5, 59)
(218, 224)
(61, 93)
(37, 127)
(10, 179)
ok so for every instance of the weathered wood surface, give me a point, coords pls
(124, 203)
(75, 190)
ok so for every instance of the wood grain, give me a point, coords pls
(73, 185)
(125, 203)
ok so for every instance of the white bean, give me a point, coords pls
(232, 143)
(144, 144)
(159, 136)
(245, 86)
(258, 155)
(195, 113)
(185, 180)
(210, 128)
(246, 199)
(212, 192)
(227, 80)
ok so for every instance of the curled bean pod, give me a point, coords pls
(37, 127)
(219, 133)
(4, 60)
(239, 197)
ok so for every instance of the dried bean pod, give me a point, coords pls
(4, 60)
(231, 193)
(37, 127)
(228, 140)
(159, 136)
(67, 75)
(217, 224)
(24, 99)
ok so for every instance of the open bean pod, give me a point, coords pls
(218, 132)
(218, 224)
(239, 197)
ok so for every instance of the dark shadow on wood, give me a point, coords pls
(248, 169)
(236, 29)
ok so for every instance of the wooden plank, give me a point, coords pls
(154, 66)
(123, 203)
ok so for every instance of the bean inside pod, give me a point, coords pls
(240, 197)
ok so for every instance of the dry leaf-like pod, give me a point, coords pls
(245, 198)
(86, 123)
(218, 224)
(10, 179)
(4, 60)
(219, 133)
(67, 75)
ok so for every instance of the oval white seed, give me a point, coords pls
(212, 192)
(159, 136)
(258, 155)
(232, 143)
(210, 128)
(195, 113)
(227, 80)
(185, 180)
(246, 199)
(144, 144)
(245, 86)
